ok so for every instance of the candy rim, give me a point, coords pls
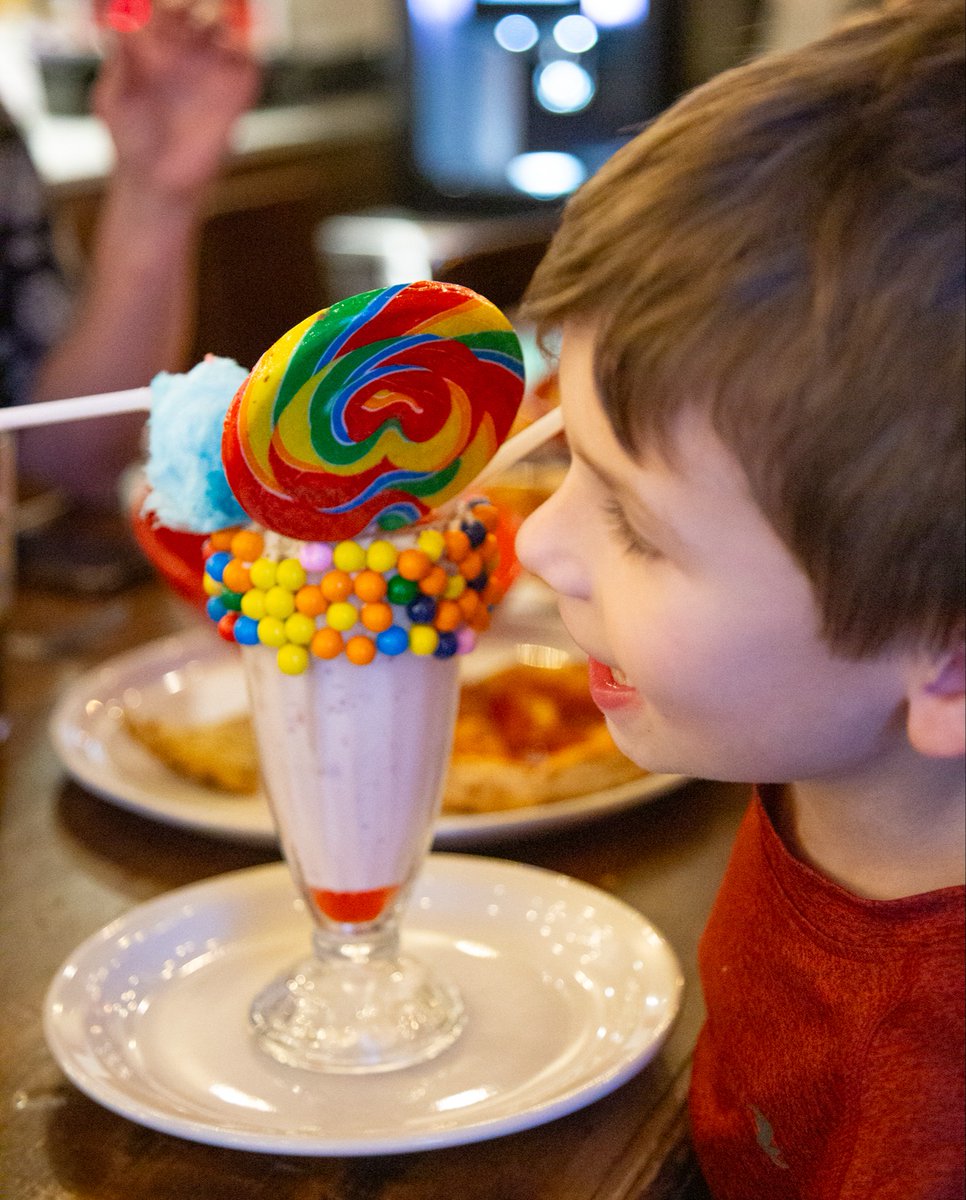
(429, 591)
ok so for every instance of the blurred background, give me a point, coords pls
(393, 138)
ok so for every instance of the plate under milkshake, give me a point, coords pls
(569, 993)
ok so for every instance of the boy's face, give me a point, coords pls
(702, 631)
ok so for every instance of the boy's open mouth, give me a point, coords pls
(609, 687)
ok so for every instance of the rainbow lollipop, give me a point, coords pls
(373, 412)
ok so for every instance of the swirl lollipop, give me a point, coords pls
(374, 411)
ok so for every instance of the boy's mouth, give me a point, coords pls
(609, 687)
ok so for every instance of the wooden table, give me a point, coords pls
(70, 862)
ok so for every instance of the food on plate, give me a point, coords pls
(524, 736)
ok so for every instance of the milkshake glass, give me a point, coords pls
(354, 762)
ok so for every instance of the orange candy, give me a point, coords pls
(221, 539)
(370, 586)
(434, 584)
(492, 593)
(480, 619)
(487, 515)
(490, 549)
(449, 616)
(236, 577)
(468, 603)
(414, 565)
(457, 544)
(326, 643)
(336, 586)
(247, 545)
(471, 565)
(310, 601)
(376, 616)
(360, 650)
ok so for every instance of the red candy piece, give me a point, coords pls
(353, 906)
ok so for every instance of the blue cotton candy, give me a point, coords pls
(188, 488)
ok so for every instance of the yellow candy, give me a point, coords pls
(212, 586)
(454, 588)
(299, 629)
(381, 556)
(341, 616)
(423, 639)
(279, 602)
(432, 543)
(290, 574)
(263, 573)
(293, 660)
(253, 604)
(271, 631)
(349, 556)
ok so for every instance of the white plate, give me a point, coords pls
(569, 991)
(195, 676)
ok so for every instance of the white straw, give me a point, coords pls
(522, 444)
(53, 412)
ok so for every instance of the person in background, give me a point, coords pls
(759, 544)
(170, 94)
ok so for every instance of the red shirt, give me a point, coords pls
(830, 1066)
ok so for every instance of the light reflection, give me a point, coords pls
(516, 33)
(564, 87)
(232, 1095)
(611, 13)
(575, 34)
(476, 949)
(464, 1099)
(546, 174)
(440, 12)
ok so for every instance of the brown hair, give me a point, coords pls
(785, 248)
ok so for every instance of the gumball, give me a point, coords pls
(376, 617)
(292, 660)
(263, 573)
(447, 646)
(401, 591)
(215, 566)
(327, 643)
(226, 626)
(423, 639)
(393, 641)
(246, 631)
(290, 575)
(247, 545)
(475, 532)
(316, 556)
(360, 650)
(421, 610)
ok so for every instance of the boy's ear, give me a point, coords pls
(936, 717)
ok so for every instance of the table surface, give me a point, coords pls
(70, 863)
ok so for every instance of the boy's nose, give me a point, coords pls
(548, 544)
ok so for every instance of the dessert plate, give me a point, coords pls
(196, 676)
(570, 992)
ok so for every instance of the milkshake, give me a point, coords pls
(362, 578)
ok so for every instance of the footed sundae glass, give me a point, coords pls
(354, 759)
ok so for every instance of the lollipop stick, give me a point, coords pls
(520, 445)
(53, 412)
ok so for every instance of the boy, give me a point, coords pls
(760, 546)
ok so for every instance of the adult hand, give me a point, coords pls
(170, 93)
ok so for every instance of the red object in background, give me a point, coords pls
(128, 16)
(176, 556)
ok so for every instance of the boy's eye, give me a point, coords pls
(633, 542)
